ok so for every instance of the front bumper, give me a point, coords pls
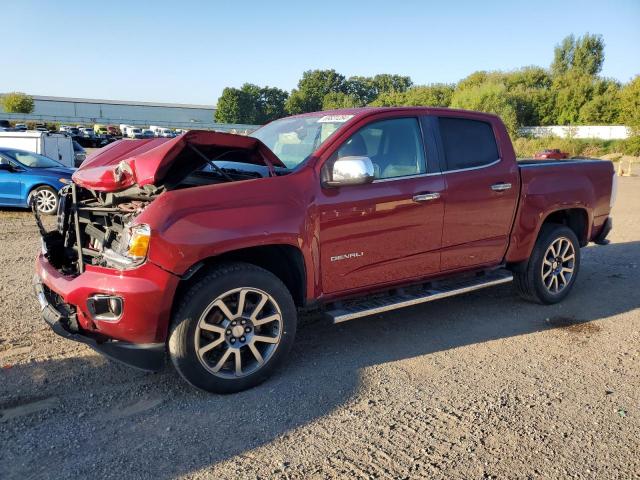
(149, 357)
(138, 337)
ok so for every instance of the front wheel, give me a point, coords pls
(46, 200)
(232, 329)
(552, 268)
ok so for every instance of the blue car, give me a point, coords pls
(26, 175)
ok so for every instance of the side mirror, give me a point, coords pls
(349, 171)
(6, 167)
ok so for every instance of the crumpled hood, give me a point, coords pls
(145, 162)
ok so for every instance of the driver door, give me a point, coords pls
(389, 230)
(10, 183)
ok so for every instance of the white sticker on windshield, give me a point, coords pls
(334, 118)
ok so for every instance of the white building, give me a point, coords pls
(114, 112)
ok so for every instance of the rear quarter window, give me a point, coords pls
(467, 143)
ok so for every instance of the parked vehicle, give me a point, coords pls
(100, 129)
(554, 153)
(87, 132)
(207, 245)
(113, 130)
(162, 132)
(79, 154)
(134, 132)
(21, 127)
(124, 129)
(146, 133)
(53, 145)
(26, 175)
(74, 131)
(5, 124)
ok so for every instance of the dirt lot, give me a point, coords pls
(479, 386)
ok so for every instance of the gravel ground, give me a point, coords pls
(479, 386)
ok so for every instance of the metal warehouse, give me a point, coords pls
(90, 111)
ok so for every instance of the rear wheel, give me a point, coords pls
(232, 329)
(552, 268)
(46, 200)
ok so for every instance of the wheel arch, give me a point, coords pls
(577, 219)
(31, 187)
(283, 260)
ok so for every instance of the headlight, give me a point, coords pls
(132, 249)
(139, 242)
(66, 181)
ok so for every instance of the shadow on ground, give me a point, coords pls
(167, 428)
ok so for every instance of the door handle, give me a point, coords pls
(426, 197)
(500, 187)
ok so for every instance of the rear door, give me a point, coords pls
(389, 230)
(482, 192)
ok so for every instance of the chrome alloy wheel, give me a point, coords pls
(238, 332)
(46, 200)
(558, 265)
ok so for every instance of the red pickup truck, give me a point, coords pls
(206, 246)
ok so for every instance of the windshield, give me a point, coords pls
(31, 160)
(294, 139)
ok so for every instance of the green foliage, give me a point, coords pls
(250, 104)
(335, 100)
(584, 55)
(490, 97)
(569, 93)
(631, 145)
(17, 102)
(630, 104)
(576, 147)
(312, 88)
(434, 95)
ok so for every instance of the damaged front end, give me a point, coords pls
(97, 228)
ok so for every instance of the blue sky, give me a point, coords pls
(188, 51)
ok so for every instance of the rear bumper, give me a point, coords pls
(149, 357)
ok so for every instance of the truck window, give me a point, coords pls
(394, 146)
(467, 143)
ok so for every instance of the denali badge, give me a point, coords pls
(347, 256)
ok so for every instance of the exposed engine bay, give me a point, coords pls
(97, 228)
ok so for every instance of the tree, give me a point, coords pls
(488, 97)
(312, 88)
(604, 104)
(17, 102)
(434, 95)
(385, 83)
(335, 100)
(362, 89)
(235, 106)
(630, 104)
(584, 55)
(272, 104)
(251, 104)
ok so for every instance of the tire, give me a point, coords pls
(536, 282)
(203, 332)
(46, 200)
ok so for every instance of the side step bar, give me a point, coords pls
(364, 308)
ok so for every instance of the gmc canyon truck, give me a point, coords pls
(205, 247)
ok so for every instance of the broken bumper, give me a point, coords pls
(137, 337)
(145, 357)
